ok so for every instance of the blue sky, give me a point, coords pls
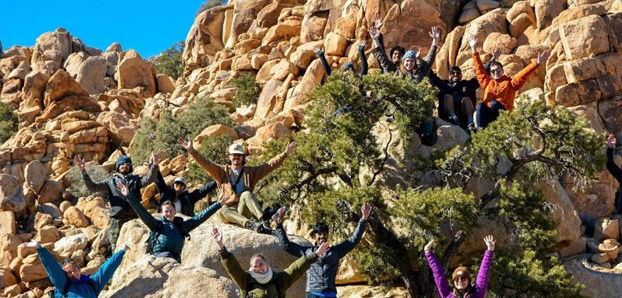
(146, 26)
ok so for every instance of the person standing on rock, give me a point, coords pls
(460, 276)
(236, 183)
(67, 278)
(168, 233)
(178, 193)
(615, 171)
(499, 90)
(321, 277)
(261, 280)
(120, 210)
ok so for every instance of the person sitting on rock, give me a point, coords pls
(120, 210)
(396, 53)
(321, 277)
(456, 98)
(68, 279)
(348, 66)
(168, 233)
(615, 171)
(178, 193)
(236, 183)
(499, 90)
(461, 277)
(261, 280)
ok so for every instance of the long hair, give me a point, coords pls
(468, 293)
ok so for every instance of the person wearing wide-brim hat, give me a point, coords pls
(237, 181)
(461, 277)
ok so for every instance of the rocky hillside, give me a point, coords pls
(72, 99)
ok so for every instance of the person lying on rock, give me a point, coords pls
(615, 171)
(348, 66)
(68, 279)
(120, 210)
(321, 277)
(456, 98)
(167, 234)
(461, 276)
(236, 183)
(499, 90)
(396, 53)
(179, 195)
(260, 280)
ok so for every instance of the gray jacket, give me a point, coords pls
(424, 66)
(321, 276)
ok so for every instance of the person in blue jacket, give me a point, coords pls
(69, 281)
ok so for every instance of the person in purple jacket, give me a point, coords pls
(461, 276)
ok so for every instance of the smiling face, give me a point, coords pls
(461, 282)
(258, 265)
(72, 270)
(409, 64)
(125, 168)
(496, 71)
(321, 237)
(179, 187)
(455, 75)
(237, 160)
(396, 57)
(168, 210)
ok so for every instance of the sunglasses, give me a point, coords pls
(497, 70)
(455, 73)
(461, 278)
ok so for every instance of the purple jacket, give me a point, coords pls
(481, 285)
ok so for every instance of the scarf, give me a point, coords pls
(262, 278)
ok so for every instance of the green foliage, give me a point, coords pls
(163, 135)
(8, 122)
(213, 149)
(210, 4)
(248, 90)
(77, 187)
(169, 62)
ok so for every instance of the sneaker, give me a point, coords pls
(453, 119)
(472, 128)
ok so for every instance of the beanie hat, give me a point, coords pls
(348, 65)
(123, 159)
(180, 180)
(461, 271)
(319, 228)
(409, 54)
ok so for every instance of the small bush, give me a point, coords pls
(210, 4)
(169, 62)
(8, 122)
(248, 90)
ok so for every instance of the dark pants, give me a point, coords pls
(311, 295)
(115, 228)
(486, 114)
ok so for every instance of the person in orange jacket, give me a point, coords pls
(499, 89)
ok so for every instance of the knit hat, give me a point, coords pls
(180, 180)
(461, 271)
(348, 65)
(409, 54)
(123, 159)
(319, 228)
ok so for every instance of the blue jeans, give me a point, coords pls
(486, 114)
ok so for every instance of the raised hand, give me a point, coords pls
(611, 141)
(374, 32)
(32, 243)
(322, 249)
(378, 22)
(490, 242)
(318, 51)
(217, 236)
(496, 53)
(123, 189)
(435, 33)
(543, 56)
(366, 210)
(473, 42)
(429, 246)
(156, 157)
(291, 147)
(185, 143)
(278, 216)
(79, 161)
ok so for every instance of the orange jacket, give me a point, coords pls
(503, 90)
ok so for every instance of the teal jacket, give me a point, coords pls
(86, 286)
(170, 238)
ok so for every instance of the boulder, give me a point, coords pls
(50, 192)
(165, 83)
(335, 44)
(584, 37)
(312, 27)
(61, 85)
(600, 258)
(578, 247)
(7, 222)
(546, 11)
(486, 5)
(66, 246)
(75, 217)
(8, 248)
(215, 131)
(121, 127)
(267, 98)
(7, 278)
(50, 50)
(504, 42)
(20, 71)
(280, 32)
(204, 39)
(51, 209)
(134, 71)
(32, 269)
(35, 174)
(91, 73)
(41, 220)
(47, 234)
(606, 228)
(11, 195)
(270, 132)
(568, 223)
(361, 291)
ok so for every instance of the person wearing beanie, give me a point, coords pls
(120, 210)
(461, 277)
(237, 181)
(323, 272)
(177, 193)
(499, 89)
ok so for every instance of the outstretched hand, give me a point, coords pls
(322, 249)
(217, 236)
(156, 157)
(429, 246)
(185, 143)
(435, 33)
(374, 32)
(318, 51)
(543, 56)
(378, 22)
(611, 141)
(291, 147)
(278, 216)
(490, 242)
(416, 49)
(366, 210)
(473, 42)
(496, 53)
(79, 161)
(123, 188)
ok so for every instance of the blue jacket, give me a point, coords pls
(82, 288)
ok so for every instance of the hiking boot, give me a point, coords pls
(472, 128)
(265, 226)
(257, 227)
(453, 119)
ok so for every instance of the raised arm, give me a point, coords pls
(481, 284)
(212, 169)
(364, 65)
(106, 271)
(154, 169)
(161, 184)
(379, 52)
(437, 270)
(615, 171)
(52, 268)
(277, 161)
(228, 261)
(292, 248)
(346, 246)
(435, 33)
(202, 216)
(320, 54)
(298, 268)
(198, 194)
(519, 79)
(92, 186)
(480, 71)
(145, 216)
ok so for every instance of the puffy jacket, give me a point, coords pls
(481, 284)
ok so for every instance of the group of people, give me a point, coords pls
(237, 203)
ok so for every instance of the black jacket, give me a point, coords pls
(186, 198)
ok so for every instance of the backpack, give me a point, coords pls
(52, 294)
(178, 222)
